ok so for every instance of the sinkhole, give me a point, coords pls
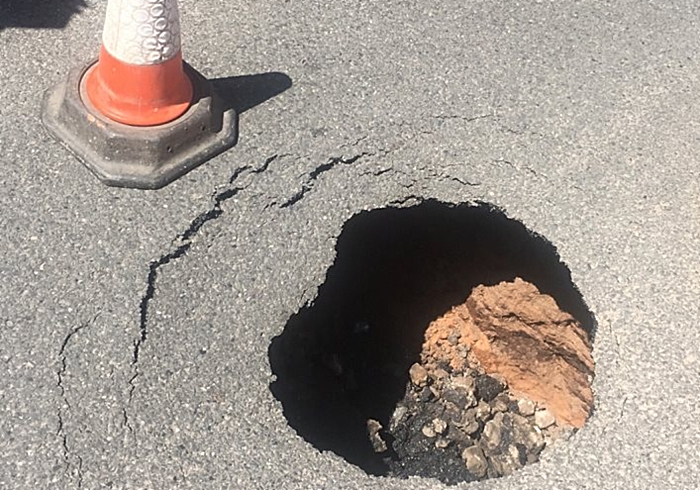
(447, 341)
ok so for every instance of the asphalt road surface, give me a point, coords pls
(135, 325)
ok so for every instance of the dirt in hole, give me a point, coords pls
(500, 376)
(462, 293)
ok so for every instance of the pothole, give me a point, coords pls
(446, 342)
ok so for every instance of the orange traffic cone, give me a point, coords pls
(140, 116)
(139, 79)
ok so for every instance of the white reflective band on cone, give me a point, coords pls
(142, 32)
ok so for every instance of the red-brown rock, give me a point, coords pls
(520, 335)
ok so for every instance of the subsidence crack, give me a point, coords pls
(413, 198)
(464, 118)
(183, 243)
(317, 172)
(65, 404)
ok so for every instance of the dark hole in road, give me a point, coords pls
(342, 363)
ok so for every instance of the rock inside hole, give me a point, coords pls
(500, 377)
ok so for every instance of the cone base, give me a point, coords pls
(139, 157)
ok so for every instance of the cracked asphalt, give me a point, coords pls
(135, 325)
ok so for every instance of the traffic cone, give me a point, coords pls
(139, 79)
(140, 116)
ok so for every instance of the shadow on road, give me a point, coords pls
(247, 91)
(38, 14)
(244, 92)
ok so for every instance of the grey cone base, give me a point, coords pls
(140, 157)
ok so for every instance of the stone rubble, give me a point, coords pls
(474, 418)
(476, 461)
(544, 418)
(373, 431)
(419, 376)
(458, 421)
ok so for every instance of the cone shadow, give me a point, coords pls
(39, 14)
(344, 359)
(242, 93)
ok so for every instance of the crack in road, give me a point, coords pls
(519, 169)
(64, 361)
(464, 118)
(185, 240)
(463, 182)
(60, 374)
(406, 199)
(314, 175)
